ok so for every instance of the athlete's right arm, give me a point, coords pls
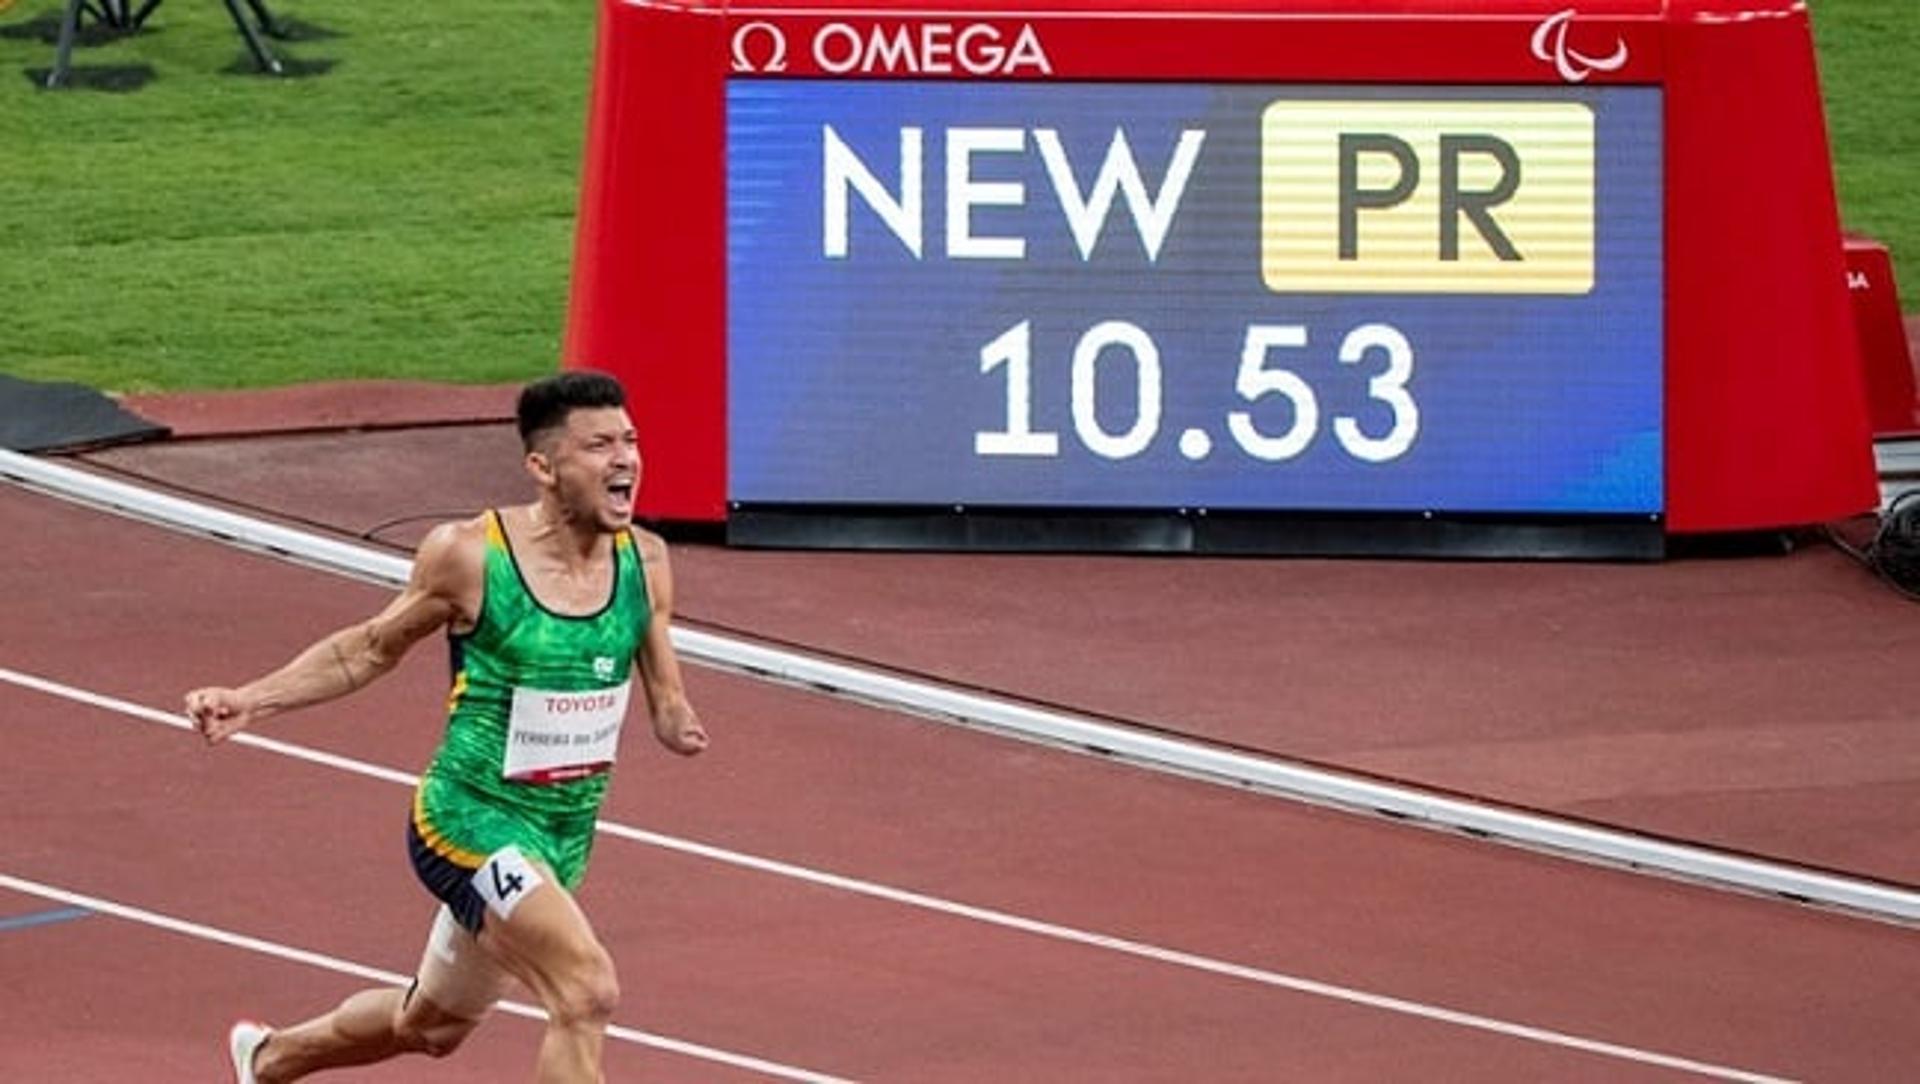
(443, 588)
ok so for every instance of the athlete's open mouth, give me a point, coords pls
(621, 492)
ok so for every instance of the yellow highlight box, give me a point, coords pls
(1374, 196)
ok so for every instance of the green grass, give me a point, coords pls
(1869, 53)
(409, 213)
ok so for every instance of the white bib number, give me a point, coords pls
(503, 882)
(553, 736)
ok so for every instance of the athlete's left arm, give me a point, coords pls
(674, 720)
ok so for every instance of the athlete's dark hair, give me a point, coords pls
(545, 403)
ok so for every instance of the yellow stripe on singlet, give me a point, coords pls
(438, 843)
(459, 689)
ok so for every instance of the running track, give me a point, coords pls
(1004, 912)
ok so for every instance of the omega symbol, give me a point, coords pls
(744, 39)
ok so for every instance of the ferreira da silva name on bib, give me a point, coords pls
(551, 730)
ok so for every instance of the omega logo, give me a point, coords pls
(928, 48)
(746, 48)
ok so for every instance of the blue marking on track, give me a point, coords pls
(42, 918)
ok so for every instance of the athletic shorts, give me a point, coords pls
(454, 831)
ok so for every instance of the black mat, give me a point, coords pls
(47, 417)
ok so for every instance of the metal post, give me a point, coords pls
(268, 25)
(267, 61)
(63, 52)
(123, 16)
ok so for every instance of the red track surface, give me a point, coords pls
(836, 981)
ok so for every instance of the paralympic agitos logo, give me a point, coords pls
(920, 48)
(1550, 44)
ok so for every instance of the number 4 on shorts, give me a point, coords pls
(505, 887)
(505, 879)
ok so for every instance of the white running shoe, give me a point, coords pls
(243, 1041)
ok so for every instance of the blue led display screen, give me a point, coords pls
(1132, 296)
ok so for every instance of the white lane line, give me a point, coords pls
(388, 978)
(1156, 752)
(988, 916)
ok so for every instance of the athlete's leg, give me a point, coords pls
(357, 1031)
(536, 931)
(457, 984)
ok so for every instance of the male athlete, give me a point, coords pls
(547, 607)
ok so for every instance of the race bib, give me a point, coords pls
(556, 736)
(505, 880)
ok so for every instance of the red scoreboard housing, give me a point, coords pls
(1765, 421)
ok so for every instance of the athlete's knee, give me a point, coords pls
(585, 991)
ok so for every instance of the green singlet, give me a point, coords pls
(532, 719)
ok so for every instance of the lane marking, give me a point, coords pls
(43, 918)
(1155, 752)
(321, 960)
(988, 916)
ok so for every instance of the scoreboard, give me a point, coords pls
(1268, 275)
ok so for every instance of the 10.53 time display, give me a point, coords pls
(1256, 379)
